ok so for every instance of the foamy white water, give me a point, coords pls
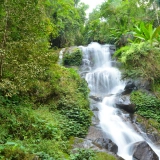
(105, 81)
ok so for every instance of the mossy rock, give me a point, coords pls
(104, 156)
(151, 127)
(72, 57)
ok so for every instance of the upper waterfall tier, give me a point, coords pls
(102, 77)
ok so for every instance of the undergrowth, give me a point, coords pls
(41, 122)
(147, 105)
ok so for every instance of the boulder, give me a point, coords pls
(142, 151)
(94, 107)
(130, 86)
(112, 49)
(123, 102)
(137, 84)
(107, 144)
(95, 118)
(143, 84)
(95, 133)
(98, 99)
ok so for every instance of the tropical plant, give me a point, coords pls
(140, 60)
(146, 32)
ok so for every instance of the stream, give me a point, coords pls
(104, 80)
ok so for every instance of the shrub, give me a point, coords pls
(12, 150)
(73, 59)
(78, 122)
(146, 105)
(140, 60)
(85, 154)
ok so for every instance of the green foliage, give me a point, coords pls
(140, 60)
(23, 38)
(78, 122)
(21, 123)
(37, 96)
(74, 58)
(156, 88)
(104, 156)
(67, 19)
(12, 150)
(59, 112)
(146, 105)
(24, 34)
(85, 154)
(146, 33)
(102, 27)
(150, 124)
(88, 154)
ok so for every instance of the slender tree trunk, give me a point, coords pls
(3, 44)
(1, 66)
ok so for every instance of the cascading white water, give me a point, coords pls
(104, 81)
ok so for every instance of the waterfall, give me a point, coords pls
(104, 81)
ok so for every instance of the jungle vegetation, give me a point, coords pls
(44, 105)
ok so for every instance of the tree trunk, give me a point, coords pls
(3, 44)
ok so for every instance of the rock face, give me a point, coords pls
(107, 144)
(123, 102)
(130, 86)
(142, 151)
(137, 84)
(112, 49)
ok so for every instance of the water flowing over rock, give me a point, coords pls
(104, 81)
(123, 102)
(142, 151)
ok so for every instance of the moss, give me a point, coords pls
(150, 124)
(104, 156)
(73, 59)
(156, 88)
(154, 124)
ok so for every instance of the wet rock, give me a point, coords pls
(145, 126)
(95, 119)
(112, 49)
(120, 158)
(138, 84)
(143, 84)
(142, 151)
(107, 144)
(95, 133)
(83, 143)
(123, 102)
(116, 64)
(94, 107)
(152, 137)
(98, 99)
(130, 86)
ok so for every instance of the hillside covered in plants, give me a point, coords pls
(44, 105)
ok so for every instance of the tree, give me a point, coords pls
(67, 20)
(24, 43)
